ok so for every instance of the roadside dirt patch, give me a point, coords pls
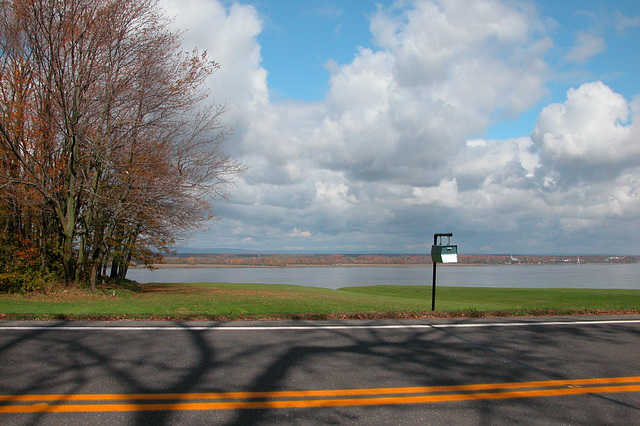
(63, 296)
(190, 289)
(169, 288)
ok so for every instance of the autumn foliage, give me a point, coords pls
(108, 149)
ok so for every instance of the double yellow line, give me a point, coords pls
(311, 398)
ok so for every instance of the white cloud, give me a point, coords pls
(589, 136)
(444, 195)
(335, 194)
(229, 37)
(296, 233)
(587, 45)
(508, 163)
(392, 154)
(444, 71)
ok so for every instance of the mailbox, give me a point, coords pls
(447, 253)
(441, 253)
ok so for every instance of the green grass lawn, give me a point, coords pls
(511, 299)
(257, 301)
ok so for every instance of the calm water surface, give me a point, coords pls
(527, 276)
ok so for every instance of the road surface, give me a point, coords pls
(573, 370)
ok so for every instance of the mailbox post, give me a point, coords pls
(441, 253)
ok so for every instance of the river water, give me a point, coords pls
(625, 276)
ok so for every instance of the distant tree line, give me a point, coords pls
(108, 151)
(378, 259)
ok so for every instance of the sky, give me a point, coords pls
(368, 126)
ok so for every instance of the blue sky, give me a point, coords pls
(299, 38)
(369, 126)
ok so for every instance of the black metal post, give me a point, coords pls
(433, 289)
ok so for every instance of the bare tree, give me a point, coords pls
(105, 118)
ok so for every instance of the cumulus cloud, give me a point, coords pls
(229, 35)
(392, 154)
(443, 70)
(587, 137)
(576, 179)
(508, 163)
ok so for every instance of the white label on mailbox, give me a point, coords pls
(449, 258)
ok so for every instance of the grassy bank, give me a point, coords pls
(208, 301)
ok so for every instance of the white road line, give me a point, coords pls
(316, 327)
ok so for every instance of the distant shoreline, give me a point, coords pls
(355, 265)
(377, 260)
(338, 265)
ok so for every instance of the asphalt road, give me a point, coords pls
(474, 371)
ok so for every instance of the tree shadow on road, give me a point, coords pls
(66, 362)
